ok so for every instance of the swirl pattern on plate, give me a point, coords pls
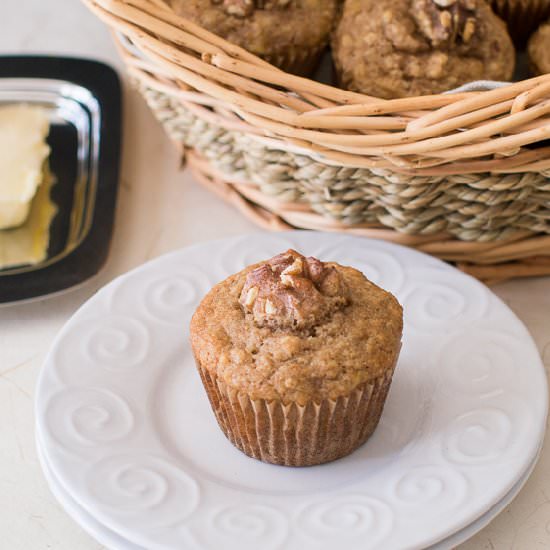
(163, 296)
(442, 488)
(478, 437)
(81, 418)
(115, 343)
(171, 299)
(434, 302)
(248, 527)
(479, 365)
(357, 520)
(132, 485)
(379, 266)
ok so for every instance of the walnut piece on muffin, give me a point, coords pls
(538, 50)
(293, 291)
(291, 34)
(297, 348)
(399, 48)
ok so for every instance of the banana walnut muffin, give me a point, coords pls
(399, 48)
(297, 356)
(290, 34)
(538, 50)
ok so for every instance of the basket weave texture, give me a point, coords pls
(463, 176)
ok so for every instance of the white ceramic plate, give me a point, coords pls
(130, 436)
(115, 542)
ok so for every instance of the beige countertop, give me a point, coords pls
(160, 209)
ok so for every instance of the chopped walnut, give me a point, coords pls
(244, 8)
(445, 22)
(290, 290)
(270, 308)
(251, 296)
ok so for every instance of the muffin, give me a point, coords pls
(290, 34)
(399, 48)
(538, 50)
(521, 16)
(297, 356)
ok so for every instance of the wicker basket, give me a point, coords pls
(462, 176)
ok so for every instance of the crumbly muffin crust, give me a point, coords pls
(285, 32)
(398, 48)
(538, 50)
(317, 334)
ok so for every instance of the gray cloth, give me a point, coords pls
(478, 86)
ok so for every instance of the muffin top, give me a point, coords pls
(297, 329)
(398, 48)
(267, 28)
(539, 50)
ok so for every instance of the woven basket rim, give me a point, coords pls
(441, 134)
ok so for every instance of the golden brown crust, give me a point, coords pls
(291, 36)
(538, 50)
(398, 48)
(355, 344)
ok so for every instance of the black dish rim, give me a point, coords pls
(87, 259)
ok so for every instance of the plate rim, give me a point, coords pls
(74, 509)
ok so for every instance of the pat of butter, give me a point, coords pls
(23, 149)
(28, 243)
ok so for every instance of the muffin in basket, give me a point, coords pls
(399, 48)
(297, 356)
(521, 16)
(290, 34)
(538, 50)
